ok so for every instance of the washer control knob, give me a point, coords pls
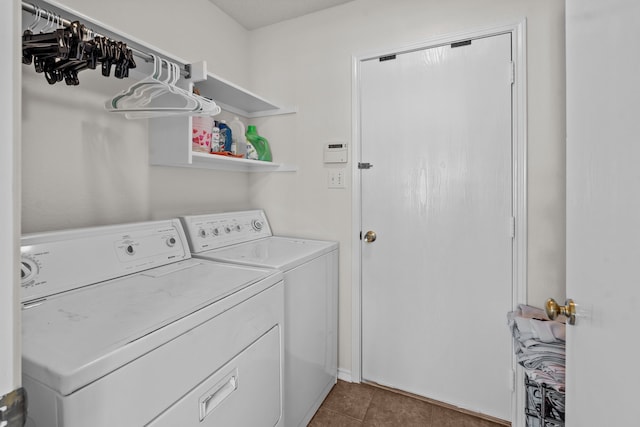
(216, 231)
(202, 233)
(227, 229)
(28, 269)
(238, 227)
(130, 250)
(171, 241)
(257, 224)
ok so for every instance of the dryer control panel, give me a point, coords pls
(213, 231)
(64, 260)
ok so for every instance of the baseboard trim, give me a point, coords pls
(442, 404)
(345, 375)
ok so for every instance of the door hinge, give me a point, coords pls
(460, 44)
(360, 234)
(512, 227)
(512, 72)
(364, 165)
(13, 408)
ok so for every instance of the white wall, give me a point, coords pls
(307, 62)
(84, 166)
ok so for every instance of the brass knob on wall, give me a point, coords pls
(568, 310)
(371, 236)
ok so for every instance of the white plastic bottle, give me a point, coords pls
(239, 144)
(215, 139)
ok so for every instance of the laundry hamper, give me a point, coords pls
(540, 349)
(544, 406)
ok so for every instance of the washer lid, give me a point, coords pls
(72, 339)
(283, 253)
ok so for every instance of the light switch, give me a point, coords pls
(337, 178)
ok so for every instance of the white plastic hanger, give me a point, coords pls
(159, 96)
(143, 95)
(153, 97)
(36, 19)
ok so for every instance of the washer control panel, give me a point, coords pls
(213, 231)
(64, 260)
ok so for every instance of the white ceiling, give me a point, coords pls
(252, 14)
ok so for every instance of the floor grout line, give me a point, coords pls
(344, 415)
(367, 405)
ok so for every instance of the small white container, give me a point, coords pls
(215, 140)
(239, 143)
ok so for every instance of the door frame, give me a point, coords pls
(10, 127)
(519, 188)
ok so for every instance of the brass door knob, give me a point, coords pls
(370, 236)
(568, 310)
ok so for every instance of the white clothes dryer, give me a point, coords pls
(310, 269)
(121, 327)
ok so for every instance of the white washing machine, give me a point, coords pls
(121, 327)
(310, 270)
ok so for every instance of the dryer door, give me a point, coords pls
(244, 392)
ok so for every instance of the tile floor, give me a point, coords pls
(353, 405)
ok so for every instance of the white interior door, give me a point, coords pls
(437, 281)
(603, 211)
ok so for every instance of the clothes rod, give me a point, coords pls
(54, 18)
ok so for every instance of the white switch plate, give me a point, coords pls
(337, 178)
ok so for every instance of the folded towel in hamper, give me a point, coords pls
(539, 345)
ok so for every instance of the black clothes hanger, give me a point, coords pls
(63, 53)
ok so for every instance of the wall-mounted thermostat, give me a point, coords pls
(336, 152)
